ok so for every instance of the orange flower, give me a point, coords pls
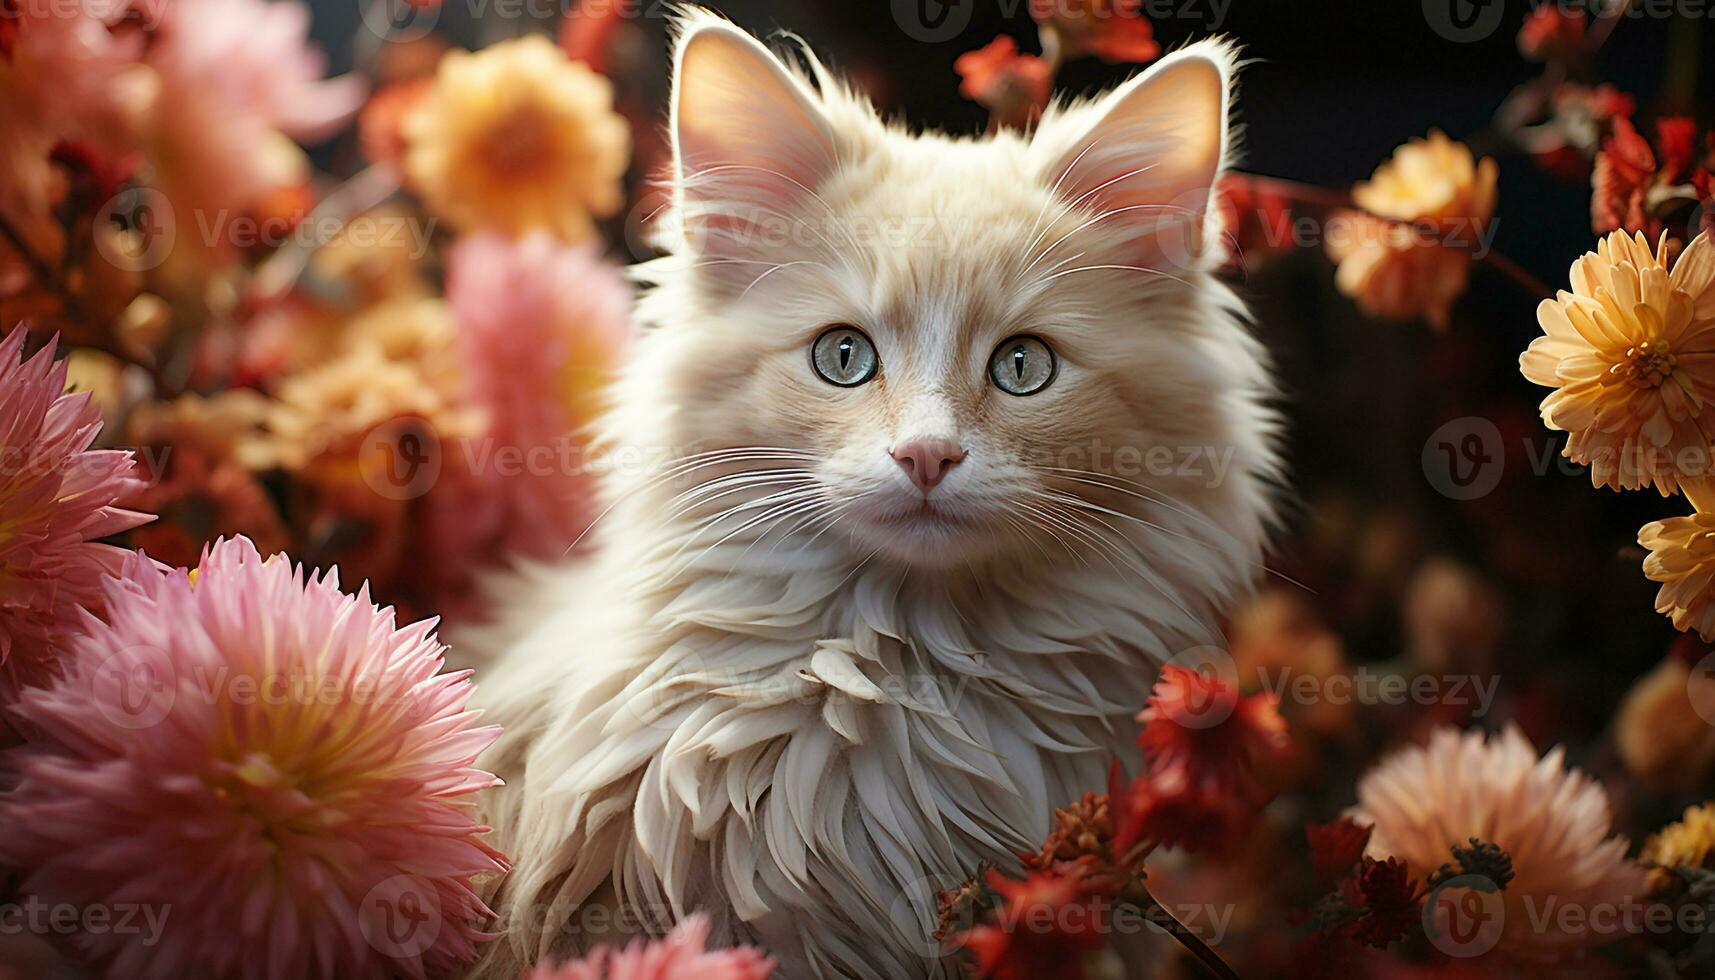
(1113, 30)
(516, 137)
(1660, 731)
(1551, 32)
(1682, 559)
(1408, 255)
(379, 125)
(1630, 352)
(1014, 87)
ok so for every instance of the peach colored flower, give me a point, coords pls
(1554, 823)
(1663, 739)
(517, 137)
(1630, 352)
(1688, 843)
(1682, 559)
(1439, 198)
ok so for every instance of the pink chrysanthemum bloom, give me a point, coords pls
(1552, 821)
(57, 496)
(679, 956)
(542, 328)
(270, 767)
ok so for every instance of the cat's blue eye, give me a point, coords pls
(844, 356)
(1023, 365)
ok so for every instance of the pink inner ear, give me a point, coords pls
(750, 142)
(1151, 159)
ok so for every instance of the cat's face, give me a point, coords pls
(951, 351)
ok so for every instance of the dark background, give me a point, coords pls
(1331, 88)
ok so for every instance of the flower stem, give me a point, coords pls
(1339, 200)
(1210, 959)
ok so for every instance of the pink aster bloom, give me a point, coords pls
(57, 496)
(543, 327)
(679, 956)
(270, 766)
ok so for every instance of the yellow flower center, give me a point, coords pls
(1648, 365)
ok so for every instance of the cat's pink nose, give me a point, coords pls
(926, 461)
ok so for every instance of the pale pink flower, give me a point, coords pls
(57, 497)
(63, 76)
(543, 326)
(236, 78)
(679, 956)
(269, 759)
(1553, 821)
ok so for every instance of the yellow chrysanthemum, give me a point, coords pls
(1630, 352)
(1686, 844)
(1438, 198)
(1682, 559)
(516, 137)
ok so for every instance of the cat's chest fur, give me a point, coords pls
(809, 752)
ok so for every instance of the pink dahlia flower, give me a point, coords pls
(57, 496)
(266, 771)
(543, 327)
(679, 956)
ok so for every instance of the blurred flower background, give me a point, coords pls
(345, 282)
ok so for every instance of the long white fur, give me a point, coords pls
(747, 701)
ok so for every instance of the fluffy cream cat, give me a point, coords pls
(945, 443)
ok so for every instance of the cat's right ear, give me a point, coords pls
(749, 139)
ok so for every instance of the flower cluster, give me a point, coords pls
(1198, 790)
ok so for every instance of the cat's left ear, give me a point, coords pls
(1150, 152)
(749, 140)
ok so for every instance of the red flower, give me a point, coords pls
(1045, 924)
(1389, 898)
(1551, 33)
(1171, 809)
(586, 33)
(1201, 723)
(1257, 220)
(1624, 169)
(1335, 848)
(1113, 30)
(1676, 137)
(378, 133)
(1013, 86)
